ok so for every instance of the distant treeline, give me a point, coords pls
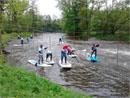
(23, 16)
(81, 17)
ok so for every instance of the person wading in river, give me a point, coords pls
(48, 55)
(31, 37)
(28, 39)
(22, 40)
(40, 54)
(63, 55)
(60, 40)
(94, 50)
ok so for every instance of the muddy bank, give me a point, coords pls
(109, 78)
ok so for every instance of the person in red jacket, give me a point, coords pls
(68, 48)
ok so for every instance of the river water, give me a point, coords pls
(108, 78)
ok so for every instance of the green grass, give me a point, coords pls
(111, 37)
(2, 59)
(7, 37)
(17, 83)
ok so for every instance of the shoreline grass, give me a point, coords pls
(18, 83)
(111, 37)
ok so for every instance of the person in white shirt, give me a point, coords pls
(48, 55)
(40, 54)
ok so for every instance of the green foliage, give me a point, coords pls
(93, 33)
(111, 37)
(15, 10)
(70, 16)
(25, 34)
(84, 36)
(18, 83)
(95, 15)
(22, 16)
(7, 37)
(2, 59)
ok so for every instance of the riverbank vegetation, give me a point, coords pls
(22, 16)
(109, 19)
(18, 16)
(15, 82)
(80, 18)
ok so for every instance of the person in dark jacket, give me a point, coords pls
(22, 41)
(94, 50)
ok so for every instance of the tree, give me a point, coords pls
(80, 17)
(70, 16)
(15, 9)
(2, 2)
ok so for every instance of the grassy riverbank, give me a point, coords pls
(111, 37)
(16, 82)
(19, 83)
